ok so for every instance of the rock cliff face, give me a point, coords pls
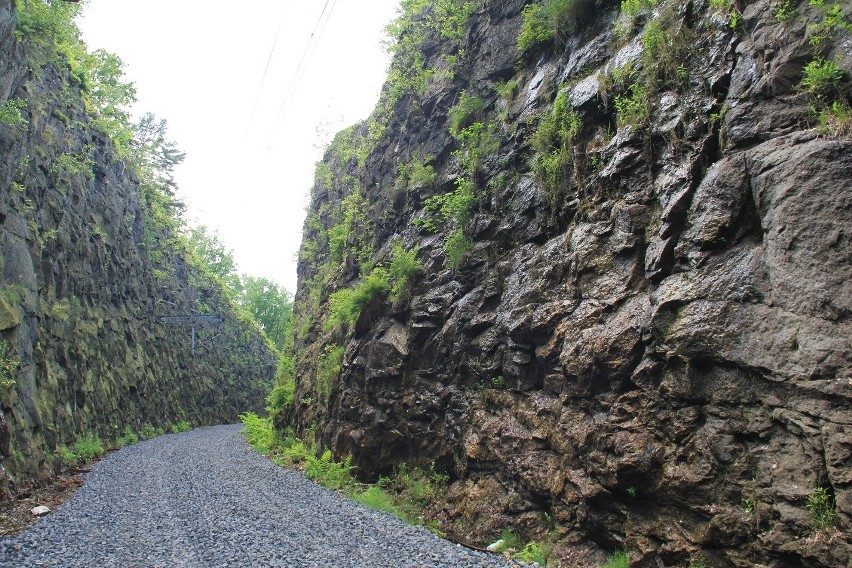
(650, 354)
(81, 297)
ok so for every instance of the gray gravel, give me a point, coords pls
(204, 498)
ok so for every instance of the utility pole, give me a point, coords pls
(193, 320)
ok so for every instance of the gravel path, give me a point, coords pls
(204, 498)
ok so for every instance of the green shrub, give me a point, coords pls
(328, 368)
(149, 432)
(833, 22)
(476, 141)
(629, 15)
(11, 115)
(666, 43)
(631, 107)
(617, 559)
(553, 145)
(352, 220)
(418, 173)
(345, 305)
(8, 366)
(285, 381)
(456, 245)
(536, 27)
(417, 486)
(822, 509)
(67, 166)
(835, 120)
(329, 473)
(507, 90)
(337, 237)
(454, 207)
(421, 174)
(822, 79)
(258, 432)
(127, 439)
(295, 451)
(419, 20)
(508, 541)
(377, 498)
(48, 24)
(465, 112)
(533, 552)
(411, 490)
(281, 395)
(403, 267)
(544, 21)
(561, 126)
(727, 7)
(89, 447)
(785, 11)
(67, 455)
(182, 426)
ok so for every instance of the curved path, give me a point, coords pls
(204, 498)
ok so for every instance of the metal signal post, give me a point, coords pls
(193, 319)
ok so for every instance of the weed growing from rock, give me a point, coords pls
(328, 367)
(403, 267)
(629, 15)
(534, 552)
(346, 304)
(282, 394)
(8, 366)
(149, 432)
(618, 559)
(821, 507)
(182, 426)
(11, 115)
(88, 448)
(258, 432)
(467, 111)
(377, 498)
(552, 19)
(786, 12)
(456, 245)
(67, 455)
(631, 107)
(128, 438)
(822, 79)
(554, 146)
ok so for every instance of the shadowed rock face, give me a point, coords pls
(656, 359)
(79, 299)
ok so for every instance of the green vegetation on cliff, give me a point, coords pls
(95, 253)
(562, 189)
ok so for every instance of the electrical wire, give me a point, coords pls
(307, 54)
(310, 58)
(265, 71)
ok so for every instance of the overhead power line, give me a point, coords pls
(265, 71)
(307, 54)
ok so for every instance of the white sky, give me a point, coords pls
(199, 65)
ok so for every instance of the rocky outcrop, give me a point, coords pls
(84, 284)
(654, 355)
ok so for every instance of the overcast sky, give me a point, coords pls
(251, 143)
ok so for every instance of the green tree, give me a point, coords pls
(211, 253)
(108, 97)
(49, 24)
(154, 157)
(271, 306)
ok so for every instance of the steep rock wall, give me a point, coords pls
(653, 357)
(81, 298)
